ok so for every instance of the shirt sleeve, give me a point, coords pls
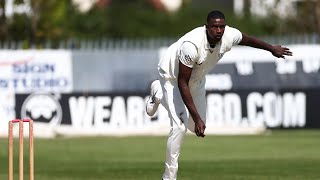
(188, 54)
(237, 36)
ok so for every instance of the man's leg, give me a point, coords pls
(178, 119)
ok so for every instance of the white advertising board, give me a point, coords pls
(29, 71)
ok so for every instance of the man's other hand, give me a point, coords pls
(280, 52)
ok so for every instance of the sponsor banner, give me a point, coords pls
(250, 68)
(26, 71)
(244, 112)
(90, 114)
(282, 109)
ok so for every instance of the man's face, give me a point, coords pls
(215, 28)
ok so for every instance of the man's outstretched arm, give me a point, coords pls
(277, 51)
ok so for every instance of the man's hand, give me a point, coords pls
(280, 52)
(199, 128)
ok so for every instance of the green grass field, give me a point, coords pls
(280, 155)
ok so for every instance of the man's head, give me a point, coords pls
(215, 25)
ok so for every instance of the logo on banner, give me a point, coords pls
(42, 107)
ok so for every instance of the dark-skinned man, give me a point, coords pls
(181, 85)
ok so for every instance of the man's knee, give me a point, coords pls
(180, 129)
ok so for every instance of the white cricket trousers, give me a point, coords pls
(180, 120)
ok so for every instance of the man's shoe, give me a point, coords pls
(155, 98)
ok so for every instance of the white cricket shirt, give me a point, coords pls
(193, 50)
